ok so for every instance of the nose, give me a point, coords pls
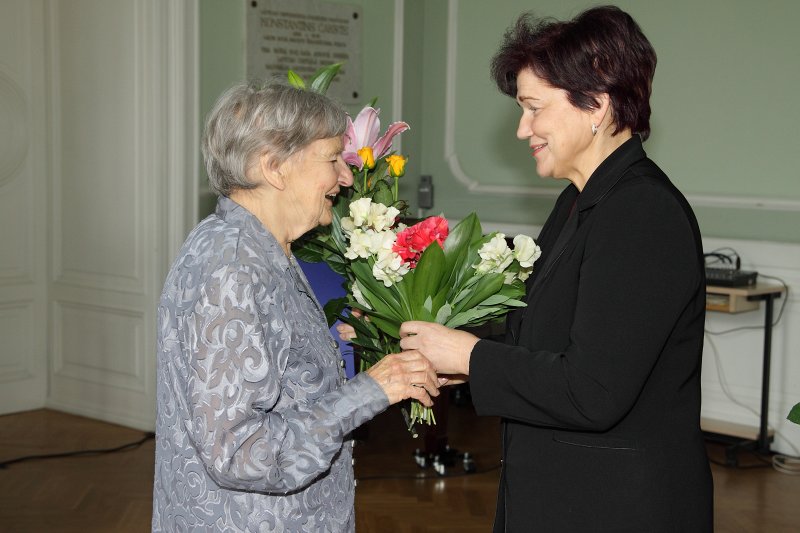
(524, 130)
(345, 175)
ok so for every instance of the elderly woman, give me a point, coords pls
(598, 382)
(254, 411)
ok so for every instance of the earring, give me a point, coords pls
(594, 129)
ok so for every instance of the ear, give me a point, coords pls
(599, 114)
(272, 171)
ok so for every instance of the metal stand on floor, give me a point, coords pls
(437, 453)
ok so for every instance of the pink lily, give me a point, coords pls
(364, 132)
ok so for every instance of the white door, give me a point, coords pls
(23, 208)
(90, 225)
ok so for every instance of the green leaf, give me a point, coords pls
(461, 249)
(428, 275)
(428, 305)
(495, 299)
(444, 314)
(383, 300)
(389, 327)
(794, 414)
(333, 309)
(459, 239)
(471, 317)
(323, 77)
(364, 328)
(295, 80)
(383, 196)
(487, 285)
(310, 253)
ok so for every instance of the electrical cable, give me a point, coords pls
(783, 463)
(733, 258)
(80, 453)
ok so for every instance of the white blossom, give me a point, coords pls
(368, 243)
(359, 210)
(381, 217)
(347, 224)
(389, 268)
(526, 251)
(495, 255)
(360, 244)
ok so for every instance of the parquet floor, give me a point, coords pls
(112, 493)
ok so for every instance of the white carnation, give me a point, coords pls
(526, 251)
(381, 217)
(347, 224)
(367, 243)
(389, 268)
(360, 244)
(495, 255)
(359, 210)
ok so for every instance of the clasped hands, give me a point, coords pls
(433, 355)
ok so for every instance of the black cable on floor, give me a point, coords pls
(426, 476)
(79, 453)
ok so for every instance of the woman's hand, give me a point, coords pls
(406, 375)
(452, 379)
(346, 331)
(447, 349)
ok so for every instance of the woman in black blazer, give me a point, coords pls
(598, 382)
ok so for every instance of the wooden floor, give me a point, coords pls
(112, 493)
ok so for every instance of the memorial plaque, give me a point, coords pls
(304, 35)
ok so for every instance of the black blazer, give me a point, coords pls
(598, 383)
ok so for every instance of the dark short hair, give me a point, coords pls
(252, 118)
(602, 50)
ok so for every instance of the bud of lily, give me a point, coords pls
(367, 157)
(397, 165)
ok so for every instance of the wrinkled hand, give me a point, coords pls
(447, 349)
(406, 375)
(346, 331)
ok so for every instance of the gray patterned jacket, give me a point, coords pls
(254, 411)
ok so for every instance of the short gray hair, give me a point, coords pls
(251, 119)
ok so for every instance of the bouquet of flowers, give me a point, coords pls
(396, 272)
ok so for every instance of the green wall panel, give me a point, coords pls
(723, 113)
(724, 104)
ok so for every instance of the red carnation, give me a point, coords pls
(412, 241)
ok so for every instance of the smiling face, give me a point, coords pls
(558, 133)
(314, 177)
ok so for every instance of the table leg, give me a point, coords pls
(763, 433)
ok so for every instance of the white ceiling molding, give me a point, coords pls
(397, 70)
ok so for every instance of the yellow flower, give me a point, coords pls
(367, 157)
(397, 165)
